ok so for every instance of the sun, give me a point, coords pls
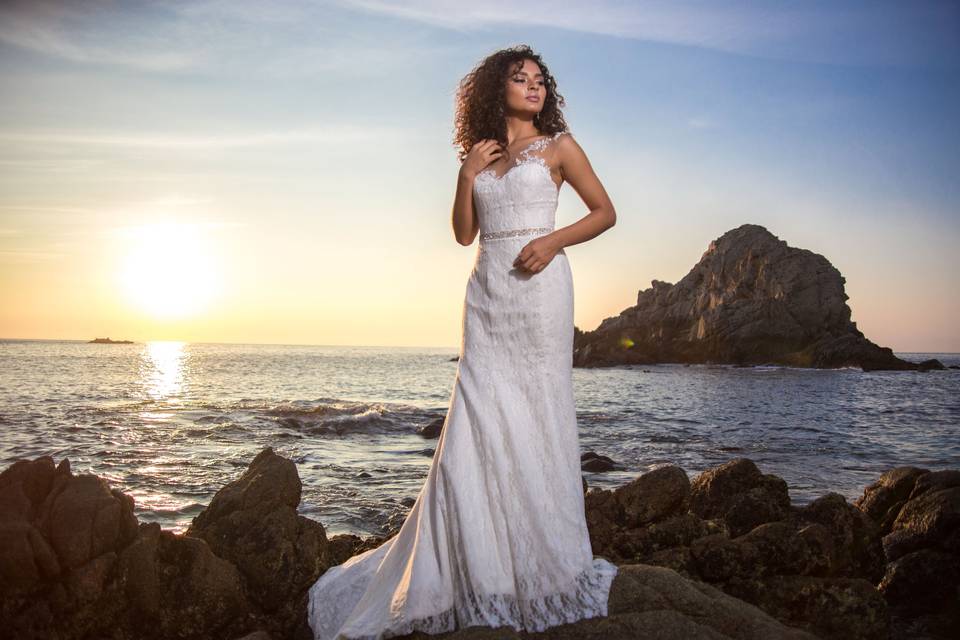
(169, 270)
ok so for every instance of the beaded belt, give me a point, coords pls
(509, 233)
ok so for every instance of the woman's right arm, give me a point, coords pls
(465, 223)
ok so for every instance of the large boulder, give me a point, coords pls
(253, 523)
(920, 515)
(176, 587)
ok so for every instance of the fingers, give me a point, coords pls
(533, 263)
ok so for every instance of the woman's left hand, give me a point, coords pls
(537, 254)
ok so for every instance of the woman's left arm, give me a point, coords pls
(575, 169)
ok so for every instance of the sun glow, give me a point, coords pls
(169, 270)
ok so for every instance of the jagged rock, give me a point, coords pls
(751, 299)
(83, 518)
(883, 499)
(857, 550)
(253, 523)
(176, 587)
(738, 493)
(930, 520)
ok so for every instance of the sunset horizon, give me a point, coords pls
(228, 191)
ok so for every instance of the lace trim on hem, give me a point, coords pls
(587, 598)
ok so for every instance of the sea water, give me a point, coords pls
(170, 423)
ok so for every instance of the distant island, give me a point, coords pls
(750, 300)
(109, 341)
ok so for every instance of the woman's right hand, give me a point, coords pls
(480, 155)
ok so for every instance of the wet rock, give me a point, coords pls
(433, 429)
(595, 462)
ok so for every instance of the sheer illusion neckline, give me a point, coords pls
(524, 157)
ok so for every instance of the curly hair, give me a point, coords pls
(481, 96)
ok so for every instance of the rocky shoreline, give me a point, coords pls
(725, 555)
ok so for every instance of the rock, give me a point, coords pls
(253, 523)
(433, 429)
(923, 581)
(751, 299)
(26, 559)
(829, 608)
(739, 494)
(773, 548)
(656, 602)
(929, 520)
(883, 499)
(594, 462)
(596, 465)
(35, 477)
(342, 547)
(814, 567)
(722, 556)
(653, 496)
(856, 548)
(176, 587)
(82, 518)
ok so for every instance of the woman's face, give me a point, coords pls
(526, 89)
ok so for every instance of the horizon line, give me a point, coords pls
(288, 344)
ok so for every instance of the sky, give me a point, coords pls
(284, 172)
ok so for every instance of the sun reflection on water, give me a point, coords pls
(162, 373)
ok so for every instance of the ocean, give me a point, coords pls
(170, 423)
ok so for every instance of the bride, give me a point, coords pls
(498, 534)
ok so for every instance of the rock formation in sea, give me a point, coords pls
(751, 299)
(725, 555)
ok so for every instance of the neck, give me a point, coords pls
(519, 128)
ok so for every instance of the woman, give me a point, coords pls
(497, 535)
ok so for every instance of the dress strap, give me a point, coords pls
(537, 145)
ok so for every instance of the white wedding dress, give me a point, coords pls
(497, 535)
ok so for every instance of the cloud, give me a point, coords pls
(308, 37)
(333, 134)
(921, 32)
(213, 37)
(75, 32)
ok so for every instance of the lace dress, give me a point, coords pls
(497, 535)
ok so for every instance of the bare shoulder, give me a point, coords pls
(569, 154)
(567, 146)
